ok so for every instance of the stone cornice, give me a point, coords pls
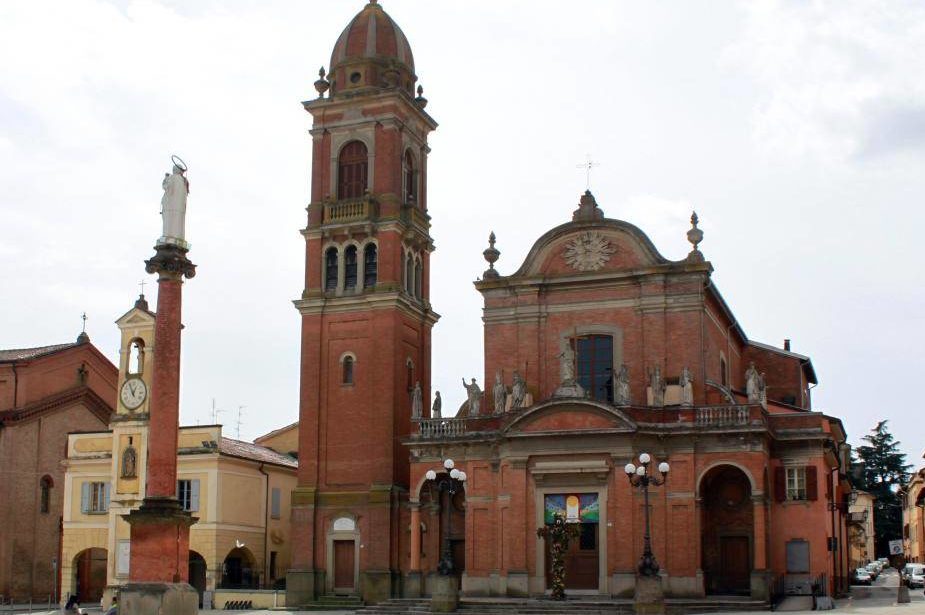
(320, 107)
(657, 303)
(367, 302)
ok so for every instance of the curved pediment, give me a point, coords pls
(596, 246)
(570, 415)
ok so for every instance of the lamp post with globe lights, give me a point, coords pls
(451, 482)
(445, 593)
(639, 477)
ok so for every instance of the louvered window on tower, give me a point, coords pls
(350, 268)
(370, 266)
(352, 170)
(330, 269)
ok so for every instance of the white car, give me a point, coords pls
(862, 577)
(915, 575)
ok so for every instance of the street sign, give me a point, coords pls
(896, 547)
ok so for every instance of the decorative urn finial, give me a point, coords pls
(695, 236)
(322, 84)
(420, 101)
(491, 255)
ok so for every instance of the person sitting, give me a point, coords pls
(73, 604)
(114, 606)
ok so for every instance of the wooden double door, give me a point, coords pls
(582, 560)
(734, 575)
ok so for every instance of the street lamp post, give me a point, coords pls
(649, 598)
(445, 595)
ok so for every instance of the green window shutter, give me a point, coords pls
(194, 495)
(85, 498)
(275, 503)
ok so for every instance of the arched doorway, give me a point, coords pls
(90, 575)
(727, 548)
(239, 570)
(197, 573)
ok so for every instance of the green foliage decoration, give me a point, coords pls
(559, 534)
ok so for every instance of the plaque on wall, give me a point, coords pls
(123, 556)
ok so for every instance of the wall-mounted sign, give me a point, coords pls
(575, 507)
(123, 555)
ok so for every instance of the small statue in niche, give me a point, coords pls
(417, 405)
(474, 395)
(129, 461)
(518, 391)
(436, 410)
(499, 392)
(687, 387)
(657, 386)
(622, 390)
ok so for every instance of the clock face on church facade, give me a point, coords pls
(133, 393)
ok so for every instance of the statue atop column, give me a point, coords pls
(173, 205)
(474, 395)
(417, 404)
(436, 410)
(687, 387)
(622, 395)
(499, 392)
(518, 391)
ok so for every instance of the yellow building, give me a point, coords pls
(239, 491)
(861, 529)
(914, 517)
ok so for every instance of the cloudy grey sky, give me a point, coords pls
(796, 129)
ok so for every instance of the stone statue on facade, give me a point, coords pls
(754, 384)
(518, 391)
(499, 392)
(417, 404)
(622, 395)
(687, 387)
(657, 386)
(129, 462)
(567, 364)
(436, 410)
(173, 205)
(474, 395)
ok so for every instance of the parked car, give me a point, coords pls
(862, 577)
(873, 569)
(915, 577)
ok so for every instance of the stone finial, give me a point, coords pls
(587, 209)
(491, 255)
(695, 236)
(420, 101)
(322, 85)
(141, 303)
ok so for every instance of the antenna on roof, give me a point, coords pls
(238, 430)
(215, 412)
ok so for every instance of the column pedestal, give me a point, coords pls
(445, 595)
(649, 598)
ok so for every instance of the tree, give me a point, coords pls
(883, 472)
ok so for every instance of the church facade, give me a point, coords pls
(597, 349)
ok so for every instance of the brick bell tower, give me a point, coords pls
(366, 315)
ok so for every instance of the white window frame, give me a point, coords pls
(796, 484)
(188, 494)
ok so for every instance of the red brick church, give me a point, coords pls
(597, 349)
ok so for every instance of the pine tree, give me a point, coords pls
(883, 472)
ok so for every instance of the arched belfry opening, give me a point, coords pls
(352, 170)
(728, 522)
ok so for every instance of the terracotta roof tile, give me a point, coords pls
(255, 452)
(25, 354)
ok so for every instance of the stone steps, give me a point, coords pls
(334, 603)
(489, 606)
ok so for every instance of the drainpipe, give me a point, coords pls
(835, 534)
(266, 522)
(15, 386)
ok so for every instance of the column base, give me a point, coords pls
(649, 598)
(413, 585)
(158, 599)
(445, 595)
(761, 585)
(302, 586)
(376, 585)
(160, 542)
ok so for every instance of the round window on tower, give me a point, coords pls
(355, 77)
